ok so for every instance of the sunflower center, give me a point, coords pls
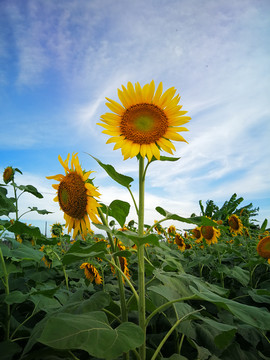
(207, 232)
(196, 233)
(72, 196)
(144, 123)
(234, 223)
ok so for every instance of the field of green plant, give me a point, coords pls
(203, 293)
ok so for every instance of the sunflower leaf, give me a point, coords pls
(79, 251)
(119, 210)
(166, 158)
(30, 189)
(119, 178)
(90, 332)
(198, 220)
(41, 212)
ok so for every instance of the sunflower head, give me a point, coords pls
(76, 196)
(179, 242)
(235, 224)
(8, 174)
(171, 229)
(56, 230)
(197, 234)
(210, 234)
(263, 247)
(146, 121)
(91, 273)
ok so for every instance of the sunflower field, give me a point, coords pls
(104, 286)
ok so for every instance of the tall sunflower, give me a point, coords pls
(76, 196)
(146, 121)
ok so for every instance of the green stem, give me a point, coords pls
(16, 200)
(121, 273)
(164, 306)
(133, 199)
(6, 284)
(64, 270)
(116, 264)
(140, 253)
(170, 331)
(29, 317)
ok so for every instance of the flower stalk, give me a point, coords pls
(141, 274)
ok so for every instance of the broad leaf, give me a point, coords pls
(30, 189)
(79, 251)
(119, 210)
(110, 170)
(198, 220)
(90, 332)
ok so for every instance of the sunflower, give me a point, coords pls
(91, 273)
(146, 121)
(263, 248)
(236, 226)
(8, 174)
(210, 234)
(56, 230)
(197, 234)
(76, 196)
(179, 241)
(171, 229)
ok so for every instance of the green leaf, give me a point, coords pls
(79, 251)
(166, 158)
(257, 317)
(30, 189)
(20, 228)
(41, 212)
(90, 332)
(145, 239)
(264, 224)
(6, 204)
(16, 297)
(198, 220)
(24, 252)
(119, 210)
(8, 349)
(237, 273)
(119, 178)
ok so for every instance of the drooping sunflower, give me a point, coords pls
(179, 241)
(263, 248)
(146, 121)
(8, 174)
(197, 234)
(210, 234)
(76, 196)
(235, 224)
(57, 230)
(91, 273)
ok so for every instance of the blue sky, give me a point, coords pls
(59, 60)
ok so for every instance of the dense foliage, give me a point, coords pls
(207, 288)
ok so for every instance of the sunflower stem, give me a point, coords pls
(6, 284)
(141, 275)
(124, 313)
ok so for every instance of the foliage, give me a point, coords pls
(204, 299)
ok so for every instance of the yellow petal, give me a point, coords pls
(164, 147)
(135, 149)
(174, 136)
(55, 199)
(112, 132)
(55, 186)
(112, 139)
(110, 116)
(139, 94)
(155, 151)
(167, 143)
(158, 93)
(115, 107)
(64, 163)
(143, 150)
(149, 152)
(178, 121)
(124, 99)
